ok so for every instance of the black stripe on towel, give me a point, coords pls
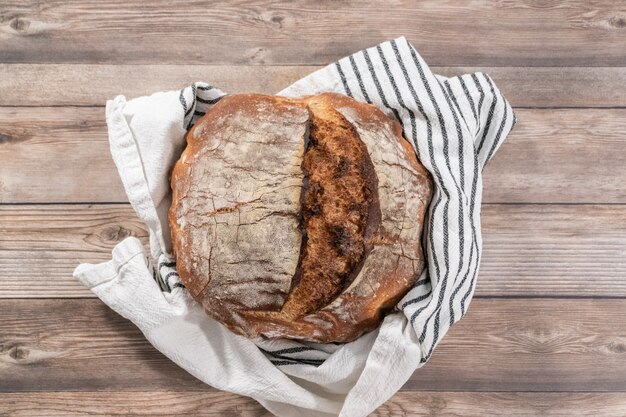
(290, 350)
(359, 79)
(496, 140)
(449, 99)
(472, 206)
(286, 360)
(470, 100)
(416, 299)
(209, 101)
(492, 107)
(438, 176)
(181, 97)
(171, 264)
(381, 93)
(343, 79)
(444, 281)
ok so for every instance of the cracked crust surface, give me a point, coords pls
(298, 218)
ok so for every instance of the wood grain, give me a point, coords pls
(216, 403)
(41, 246)
(92, 85)
(504, 33)
(560, 156)
(553, 250)
(526, 404)
(56, 154)
(502, 345)
(159, 403)
(528, 250)
(552, 156)
(561, 64)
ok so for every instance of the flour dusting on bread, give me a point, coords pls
(298, 218)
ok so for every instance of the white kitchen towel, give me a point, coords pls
(455, 125)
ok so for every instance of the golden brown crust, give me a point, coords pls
(362, 206)
(335, 210)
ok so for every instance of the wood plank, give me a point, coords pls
(534, 345)
(41, 246)
(56, 154)
(498, 404)
(404, 403)
(528, 250)
(549, 250)
(552, 156)
(161, 403)
(561, 156)
(91, 85)
(521, 33)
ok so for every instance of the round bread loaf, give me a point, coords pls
(298, 218)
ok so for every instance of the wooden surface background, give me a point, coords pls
(546, 332)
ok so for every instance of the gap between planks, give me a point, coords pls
(528, 250)
(501, 345)
(523, 33)
(215, 403)
(552, 156)
(93, 84)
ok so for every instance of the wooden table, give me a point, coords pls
(546, 332)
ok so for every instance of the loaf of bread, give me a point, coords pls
(298, 218)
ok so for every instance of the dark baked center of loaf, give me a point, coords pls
(339, 209)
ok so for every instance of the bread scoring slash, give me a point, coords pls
(298, 218)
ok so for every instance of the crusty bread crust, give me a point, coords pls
(298, 218)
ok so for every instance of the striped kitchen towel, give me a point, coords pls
(455, 125)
